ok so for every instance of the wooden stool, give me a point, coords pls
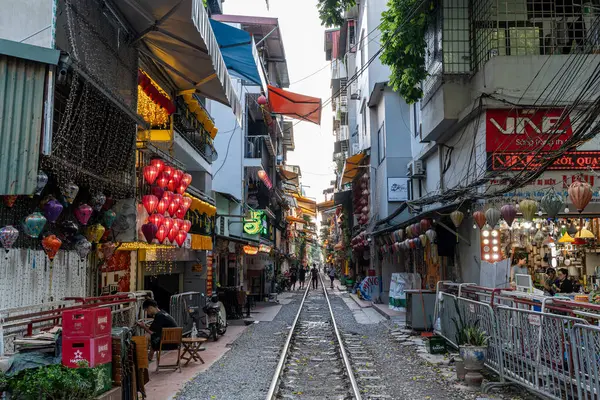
(192, 346)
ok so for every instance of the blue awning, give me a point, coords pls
(237, 49)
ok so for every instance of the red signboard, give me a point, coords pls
(569, 161)
(526, 130)
(209, 274)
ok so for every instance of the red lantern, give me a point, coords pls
(168, 171)
(156, 219)
(172, 208)
(150, 174)
(150, 202)
(180, 213)
(177, 175)
(162, 182)
(173, 234)
(177, 199)
(179, 223)
(186, 202)
(172, 185)
(168, 223)
(159, 164)
(181, 188)
(162, 206)
(161, 234)
(262, 100)
(186, 226)
(10, 200)
(158, 191)
(425, 224)
(168, 196)
(479, 217)
(180, 238)
(187, 179)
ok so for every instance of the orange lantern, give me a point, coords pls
(51, 244)
(479, 217)
(580, 194)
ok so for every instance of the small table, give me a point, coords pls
(191, 348)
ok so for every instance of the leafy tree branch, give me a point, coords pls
(331, 11)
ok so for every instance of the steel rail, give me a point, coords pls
(277, 375)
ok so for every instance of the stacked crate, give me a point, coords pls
(86, 337)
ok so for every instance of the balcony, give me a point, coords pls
(255, 151)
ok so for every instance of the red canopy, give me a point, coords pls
(295, 105)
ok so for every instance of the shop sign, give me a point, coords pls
(524, 130)
(264, 248)
(569, 161)
(209, 274)
(257, 224)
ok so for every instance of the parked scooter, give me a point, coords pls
(215, 317)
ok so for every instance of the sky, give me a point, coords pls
(303, 39)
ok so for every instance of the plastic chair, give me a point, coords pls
(170, 336)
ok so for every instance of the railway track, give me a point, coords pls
(314, 363)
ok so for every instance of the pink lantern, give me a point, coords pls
(83, 213)
(262, 100)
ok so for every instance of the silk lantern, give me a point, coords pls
(94, 233)
(177, 175)
(509, 213)
(580, 194)
(150, 202)
(162, 206)
(34, 224)
(186, 179)
(180, 237)
(493, 216)
(479, 218)
(150, 173)
(186, 202)
(423, 239)
(168, 171)
(552, 203)
(172, 209)
(168, 196)
(180, 213)
(181, 188)
(10, 200)
(41, 182)
(161, 233)
(186, 226)
(425, 224)
(528, 208)
(69, 228)
(457, 218)
(52, 210)
(156, 219)
(8, 236)
(172, 185)
(179, 223)
(162, 182)
(149, 230)
(172, 234)
(108, 218)
(83, 214)
(158, 192)
(69, 192)
(83, 248)
(177, 199)
(51, 245)
(168, 223)
(159, 164)
(98, 201)
(431, 235)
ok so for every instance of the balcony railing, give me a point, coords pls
(187, 125)
(254, 147)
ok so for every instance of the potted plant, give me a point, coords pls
(472, 344)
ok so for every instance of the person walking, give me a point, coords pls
(332, 275)
(293, 277)
(302, 277)
(315, 276)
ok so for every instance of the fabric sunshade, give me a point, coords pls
(295, 105)
(351, 168)
(237, 49)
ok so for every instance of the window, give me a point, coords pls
(363, 112)
(416, 118)
(352, 36)
(362, 49)
(381, 142)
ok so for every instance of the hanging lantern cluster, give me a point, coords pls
(361, 200)
(155, 94)
(359, 242)
(166, 205)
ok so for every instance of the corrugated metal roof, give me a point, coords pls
(21, 116)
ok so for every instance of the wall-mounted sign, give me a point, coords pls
(526, 130)
(250, 250)
(209, 274)
(263, 248)
(257, 224)
(569, 161)
(397, 189)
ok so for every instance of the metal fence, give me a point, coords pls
(546, 345)
(186, 308)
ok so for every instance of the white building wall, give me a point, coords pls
(28, 21)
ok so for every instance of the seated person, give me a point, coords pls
(161, 320)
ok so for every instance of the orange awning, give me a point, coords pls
(295, 105)
(291, 218)
(351, 167)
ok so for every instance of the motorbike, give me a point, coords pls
(215, 318)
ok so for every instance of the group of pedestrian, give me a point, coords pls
(299, 275)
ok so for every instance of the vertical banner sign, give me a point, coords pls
(209, 274)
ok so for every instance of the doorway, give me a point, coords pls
(163, 287)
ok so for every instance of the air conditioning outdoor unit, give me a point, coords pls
(416, 169)
(354, 91)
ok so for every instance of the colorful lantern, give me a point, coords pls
(186, 226)
(8, 236)
(180, 213)
(34, 224)
(51, 244)
(150, 202)
(149, 230)
(408, 232)
(162, 182)
(83, 248)
(566, 238)
(98, 201)
(431, 235)
(83, 214)
(262, 100)
(457, 218)
(10, 200)
(150, 173)
(425, 224)
(493, 216)
(162, 206)
(109, 218)
(580, 194)
(552, 203)
(52, 210)
(509, 213)
(172, 234)
(69, 191)
(178, 223)
(180, 237)
(423, 239)
(416, 229)
(528, 208)
(161, 233)
(94, 233)
(177, 199)
(69, 228)
(159, 164)
(156, 219)
(41, 182)
(479, 218)
(181, 188)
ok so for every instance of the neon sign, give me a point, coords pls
(257, 224)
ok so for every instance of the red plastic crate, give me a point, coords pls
(87, 323)
(96, 351)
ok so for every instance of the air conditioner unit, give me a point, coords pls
(354, 91)
(416, 169)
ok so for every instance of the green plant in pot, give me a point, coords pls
(472, 343)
